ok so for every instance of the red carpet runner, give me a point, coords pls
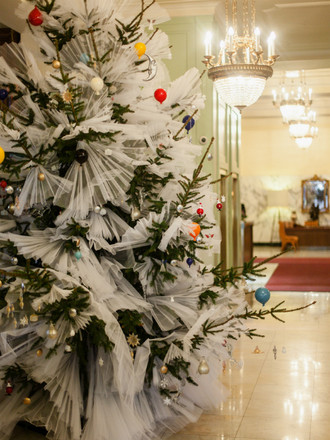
(301, 274)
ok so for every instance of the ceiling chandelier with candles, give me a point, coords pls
(240, 70)
(294, 99)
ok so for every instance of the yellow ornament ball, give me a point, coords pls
(2, 155)
(26, 400)
(140, 49)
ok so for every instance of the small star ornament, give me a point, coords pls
(67, 96)
(24, 321)
(167, 401)
(133, 340)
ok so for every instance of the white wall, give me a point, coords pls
(270, 160)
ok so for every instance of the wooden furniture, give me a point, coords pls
(312, 223)
(248, 241)
(285, 237)
(311, 237)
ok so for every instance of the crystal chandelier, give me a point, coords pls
(302, 125)
(306, 140)
(240, 71)
(293, 100)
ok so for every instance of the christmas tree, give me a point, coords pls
(111, 324)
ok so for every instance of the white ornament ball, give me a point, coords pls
(113, 89)
(103, 211)
(67, 349)
(72, 332)
(97, 84)
(97, 209)
(209, 156)
(179, 208)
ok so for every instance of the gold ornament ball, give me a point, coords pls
(39, 352)
(203, 367)
(34, 317)
(0, 283)
(27, 401)
(41, 177)
(11, 208)
(51, 332)
(164, 369)
(56, 64)
(78, 242)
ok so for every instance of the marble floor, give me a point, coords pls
(287, 398)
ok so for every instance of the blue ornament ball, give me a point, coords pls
(84, 58)
(3, 94)
(190, 124)
(262, 295)
(190, 261)
(78, 255)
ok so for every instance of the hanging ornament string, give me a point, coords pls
(91, 33)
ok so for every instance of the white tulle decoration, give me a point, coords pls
(36, 191)
(185, 91)
(102, 178)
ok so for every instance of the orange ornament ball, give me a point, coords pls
(195, 230)
(140, 49)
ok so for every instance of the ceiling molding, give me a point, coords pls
(189, 7)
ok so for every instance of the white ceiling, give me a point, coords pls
(303, 41)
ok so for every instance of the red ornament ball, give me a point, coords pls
(9, 388)
(35, 17)
(3, 184)
(200, 211)
(219, 206)
(160, 95)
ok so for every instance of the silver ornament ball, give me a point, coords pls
(135, 213)
(103, 212)
(179, 208)
(72, 313)
(9, 189)
(209, 156)
(174, 262)
(199, 239)
(97, 209)
(14, 260)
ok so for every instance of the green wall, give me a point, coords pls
(186, 36)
